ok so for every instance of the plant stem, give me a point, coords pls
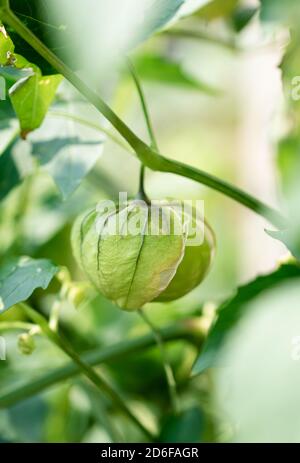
(167, 367)
(185, 330)
(148, 156)
(143, 104)
(23, 326)
(154, 145)
(85, 368)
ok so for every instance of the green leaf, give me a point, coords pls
(68, 160)
(6, 46)
(277, 10)
(288, 159)
(158, 14)
(156, 68)
(187, 426)
(291, 239)
(216, 9)
(20, 277)
(231, 312)
(32, 93)
(9, 172)
(31, 98)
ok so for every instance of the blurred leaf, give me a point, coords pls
(20, 277)
(241, 17)
(257, 392)
(67, 160)
(231, 312)
(37, 409)
(188, 426)
(157, 15)
(31, 98)
(288, 159)
(60, 31)
(216, 9)
(290, 238)
(33, 14)
(6, 46)
(279, 11)
(9, 172)
(162, 70)
(6, 113)
(32, 93)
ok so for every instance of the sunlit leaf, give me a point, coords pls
(31, 98)
(6, 46)
(231, 312)
(20, 277)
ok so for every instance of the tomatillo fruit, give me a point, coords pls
(136, 253)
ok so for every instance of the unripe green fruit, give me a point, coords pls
(193, 268)
(132, 267)
(26, 344)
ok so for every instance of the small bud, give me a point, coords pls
(78, 293)
(63, 275)
(26, 344)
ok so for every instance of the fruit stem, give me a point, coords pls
(171, 382)
(141, 193)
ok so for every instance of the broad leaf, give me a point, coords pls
(32, 93)
(231, 312)
(111, 30)
(160, 13)
(158, 69)
(291, 239)
(68, 159)
(20, 277)
(31, 98)
(288, 159)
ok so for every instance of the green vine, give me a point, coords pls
(148, 156)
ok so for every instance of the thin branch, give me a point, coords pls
(85, 368)
(186, 330)
(140, 91)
